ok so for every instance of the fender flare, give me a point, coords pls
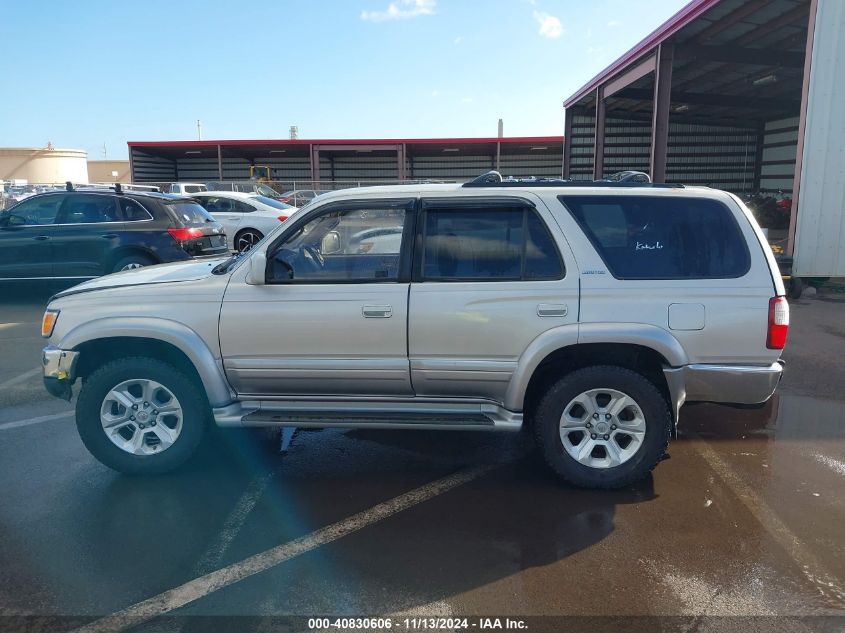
(650, 336)
(180, 336)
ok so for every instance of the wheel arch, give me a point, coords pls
(101, 340)
(122, 251)
(644, 348)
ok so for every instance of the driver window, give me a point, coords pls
(361, 244)
(37, 210)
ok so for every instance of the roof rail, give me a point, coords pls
(494, 179)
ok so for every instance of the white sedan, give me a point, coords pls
(246, 217)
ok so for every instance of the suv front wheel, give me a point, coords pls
(602, 427)
(140, 415)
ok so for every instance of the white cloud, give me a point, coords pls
(466, 100)
(550, 26)
(401, 10)
(435, 93)
(613, 24)
(458, 40)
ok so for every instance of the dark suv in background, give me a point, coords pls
(86, 233)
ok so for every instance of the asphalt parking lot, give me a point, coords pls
(744, 518)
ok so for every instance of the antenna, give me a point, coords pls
(199, 130)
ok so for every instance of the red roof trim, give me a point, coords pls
(380, 141)
(671, 26)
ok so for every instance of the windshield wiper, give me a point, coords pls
(223, 267)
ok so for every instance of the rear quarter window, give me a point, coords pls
(645, 237)
(189, 213)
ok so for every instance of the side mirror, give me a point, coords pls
(257, 275)
(9, 221)
(330, 244)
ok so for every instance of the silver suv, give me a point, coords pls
(587, 313)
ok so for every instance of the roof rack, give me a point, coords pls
(623, 179)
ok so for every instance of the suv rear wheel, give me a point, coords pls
(602, 427)
(131, 262)
(140, 415)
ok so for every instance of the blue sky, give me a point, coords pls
(81, 74)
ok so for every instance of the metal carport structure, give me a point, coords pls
(722, 94)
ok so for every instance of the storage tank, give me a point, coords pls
(43, 165)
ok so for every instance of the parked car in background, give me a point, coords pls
(246, 217)
(185, 188)
(246, 186)
(298, 198)
(86, 233)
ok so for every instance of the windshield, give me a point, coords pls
(276, 204)
(264, 190)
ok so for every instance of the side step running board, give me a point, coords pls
(375, 415)
(376, 419)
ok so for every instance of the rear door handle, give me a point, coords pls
(109, 236)
(552, 310)
(377, 312)
(41, 238)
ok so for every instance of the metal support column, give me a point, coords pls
(567, 143)
(758, 156)
(660, 112)
(219, 162)
(400, 160)
(598, 141)
(315, 163)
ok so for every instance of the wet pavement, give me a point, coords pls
(744, 518)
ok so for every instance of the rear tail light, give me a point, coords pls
(778, 323)
(183, 235)
(282, 218)
(286, 199)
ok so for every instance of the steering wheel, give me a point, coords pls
(314, 256)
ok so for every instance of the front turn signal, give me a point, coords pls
(48, 323)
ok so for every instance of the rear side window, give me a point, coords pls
(133, 211)
(497, 244)
(189, 213)
(88, 209)
(641, 237)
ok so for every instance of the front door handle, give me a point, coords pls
(552, 310)
(41, 238)
(109, 236)
(377, 312)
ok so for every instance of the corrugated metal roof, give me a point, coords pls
(674, 24)
(380, 141)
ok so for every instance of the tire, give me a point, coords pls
(132, 261)
(648, 410)
(796, 288)
(246, 239)
(92, 401)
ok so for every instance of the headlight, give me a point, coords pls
(49, 322)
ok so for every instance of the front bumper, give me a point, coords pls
(59, 369)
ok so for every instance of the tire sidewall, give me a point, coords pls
(195, 410)
(131, 259)
(640, 389)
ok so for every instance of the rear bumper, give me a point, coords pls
(726, 384)
(731, 384)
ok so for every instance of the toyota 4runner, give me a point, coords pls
(586, 312)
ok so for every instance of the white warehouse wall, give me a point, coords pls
(819, 248)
